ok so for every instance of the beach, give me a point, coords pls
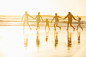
(13, 42)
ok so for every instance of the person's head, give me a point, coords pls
(46, 19)
(69, 13)
(26, 12)
(38, 13)
(79, 18)
(55, 14)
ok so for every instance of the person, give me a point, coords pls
(56, 17)
(38, 19)
(79, 25)
(70, 16)
(47, 24)
(25, 17)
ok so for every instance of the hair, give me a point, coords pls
(46, 19)
(55, 13)
(38, 12)
(26, 12)
(79, 18)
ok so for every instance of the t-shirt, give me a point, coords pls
(38, 18)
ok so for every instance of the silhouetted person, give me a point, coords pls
(25, 17)
(79, 25)
(47, 24)
(70, 17)
(38, 19)
(56, 17)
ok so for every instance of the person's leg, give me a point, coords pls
(77, 27)
(57, 25)
(54, 26)
(67, 25)
(81, 28)
(24, 25)
(48, 27)
(28, 25)
(72, 26)
(37, 25)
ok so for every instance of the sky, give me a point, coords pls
(45, 7)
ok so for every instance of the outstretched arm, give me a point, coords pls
(31, 16)
(52, 19)
(60, 17)
(41, 18)
(66, 17)
(74, 17)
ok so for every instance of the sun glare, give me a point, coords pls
(18, 7)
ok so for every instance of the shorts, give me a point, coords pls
(56, 23)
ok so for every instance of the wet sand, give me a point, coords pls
(16, 42)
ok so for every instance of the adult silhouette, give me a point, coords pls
(38, 19)
(70, 17)
(25, 17)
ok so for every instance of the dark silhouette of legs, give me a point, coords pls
(24, 25)
(72, 26)
(29, 25)
(67, 25)
(80, 27)
(77, 28)
(56, 25)
(48, 27)
(37, 25)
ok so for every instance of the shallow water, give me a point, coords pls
(16, 42)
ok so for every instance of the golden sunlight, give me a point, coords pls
(46, 7)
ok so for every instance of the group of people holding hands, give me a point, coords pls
(56, 17)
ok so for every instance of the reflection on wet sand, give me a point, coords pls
(46, 39)
(26, 41)
(78, 37)
(37, 40)
(69, 35)
(55, 39)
